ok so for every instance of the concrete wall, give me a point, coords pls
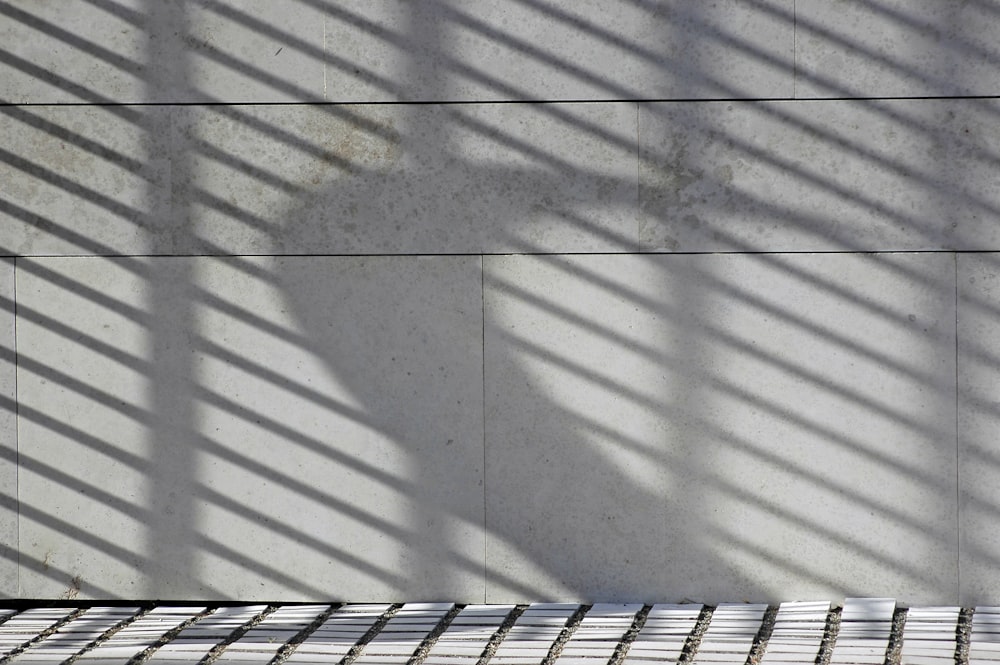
(642, 301)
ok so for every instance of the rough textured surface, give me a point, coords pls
(302, 415)
(321, 411)
(896, 48)
(783, 176)
(83, 391)
(704, 426)
(979, 463)
(311, 179)
(8, 435)
(442, 50)
(564, 50)
(803, 176)
(255, 51)
(84, 180)
(87, 51)
(415, 179)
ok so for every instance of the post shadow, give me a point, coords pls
(173, 537)
(695, 403)
(172, 545)
(599, 507)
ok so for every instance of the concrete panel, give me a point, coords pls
(819, 175)
(8, 435)
(731, 49)
(307, 50)
(413, 179)
(979, 463)
(84, 180)
(319, 179)
(251, 428)
(711, 427)
(140, 51)
(91, 51)
(895, 48)
(259, 50)
(559, 50)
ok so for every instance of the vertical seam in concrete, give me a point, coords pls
(795, 51)
(17, 442)
(486, 533)
(638, 184)
(958, 459)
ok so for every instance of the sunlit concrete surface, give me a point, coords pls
(979, 460)
(669, 424)
(532, 300)
(377, 179)
(289, 467)
(413, 179)
(896, 48)
(811, 176)
(384, 50)
(872, 175)
(8, 435)
(84, 179)
(319, 179)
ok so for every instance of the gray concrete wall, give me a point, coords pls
(502, 301)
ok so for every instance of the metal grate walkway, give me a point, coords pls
(863, 632)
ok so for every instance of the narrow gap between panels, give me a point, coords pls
(17, 437)
(482, 300)
(488, 102)
(485, 254)
(958, 444)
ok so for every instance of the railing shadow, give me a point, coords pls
(475, 425)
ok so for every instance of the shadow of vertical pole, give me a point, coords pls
(956, 174)
(171, 497)
(689, 546)
(426, 27)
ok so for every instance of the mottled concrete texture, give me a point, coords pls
(979, 460)
(831, 175)
(84, 415)
(714, 427)
(8, 435)
(414, 179)
(78, 52)
(383, 50)
(896, 48)
(85, 179)
(319, 179)
(371, 179)
(127, 51)
(235, 428)
(629, 301)
(561, 49)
